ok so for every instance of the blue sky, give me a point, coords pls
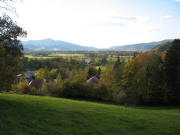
(100, 23)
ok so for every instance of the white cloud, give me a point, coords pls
(178, 0)
(89, 22)
(119, 20)
(127, 18)
(167, 16)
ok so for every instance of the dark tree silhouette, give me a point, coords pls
(172, 70)
(10, 46)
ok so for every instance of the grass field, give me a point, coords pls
(78, 57)
(36, 57)
(51, 56)
(34, 115)
(66, 55)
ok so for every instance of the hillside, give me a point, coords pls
(52, 45)
(27, 115)
(138, 47)
(162, 48)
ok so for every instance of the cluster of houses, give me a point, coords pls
(30, 76)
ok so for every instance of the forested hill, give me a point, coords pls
(162, 48)
(139, 47)
(52, 45)
(58, 45)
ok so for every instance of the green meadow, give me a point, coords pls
(51, 56)
(38, 57)
(65, 55)
(78, 56)
(35, 115)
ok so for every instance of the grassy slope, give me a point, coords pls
(27, 115)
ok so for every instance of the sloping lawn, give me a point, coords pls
(34, 115)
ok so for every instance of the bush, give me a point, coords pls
(18, 87)
(119, 97)
(71, 89)
(26, 90)
(98, 92)
(78, 89)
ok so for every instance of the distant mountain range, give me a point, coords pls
(52, 45)
(57, 45)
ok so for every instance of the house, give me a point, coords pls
(19, 77)
(30, 75)
(37, 83)
(93, 80)
(87, 61)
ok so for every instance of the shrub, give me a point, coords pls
(26, 90)
(119, 97)
(98, 92)
(71, 89)
(18, 87)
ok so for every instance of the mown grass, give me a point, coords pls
(34, 115)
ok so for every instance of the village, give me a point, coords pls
(33, 82)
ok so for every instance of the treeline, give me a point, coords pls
(99, 53)
(147, 79)
(70, 62)
(55, 63)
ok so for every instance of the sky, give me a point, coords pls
(100, 23)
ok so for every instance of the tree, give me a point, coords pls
(143, 80)
(11, 51)
(104, 60)
(172, 70)
(53, 73)
(117, 63)
(98, 73)
(7, 5)
(10, 33)
(117, 71)
(43, 73)
(59, 80)
(111, 78)
(91, 72)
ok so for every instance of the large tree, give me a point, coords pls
(7, 6)
(10, 48)
(143, 80)
(172, 70)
